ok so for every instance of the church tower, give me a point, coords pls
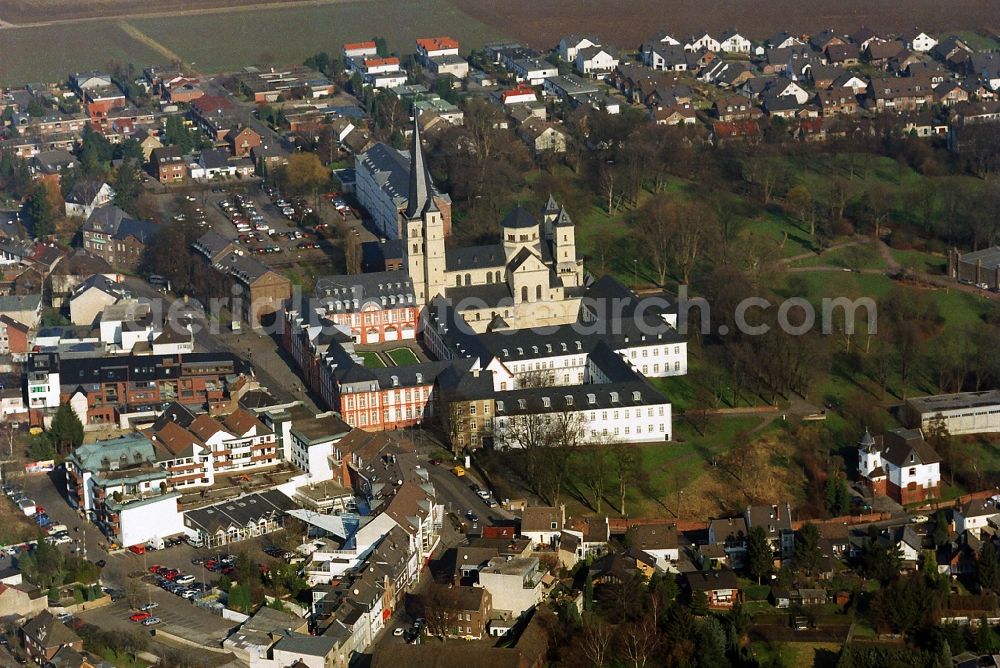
(423, 230)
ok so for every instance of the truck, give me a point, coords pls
(155, 544)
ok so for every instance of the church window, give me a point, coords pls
(538, 292)
(489, 277)
(524, 293)
(468, 279)
(458, 281)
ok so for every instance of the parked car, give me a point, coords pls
(151, 621)
(149, 606)
(139, 616)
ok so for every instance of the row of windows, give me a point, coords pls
(628, 430)
(656, 351)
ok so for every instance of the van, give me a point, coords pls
(195, 542)
(57, 528)
(458, 471)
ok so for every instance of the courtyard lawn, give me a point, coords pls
(402, 357)
(372, 360)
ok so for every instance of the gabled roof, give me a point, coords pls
(907, 447)
(85, 192)
(242, 421)
(49, 631)
(712, 580)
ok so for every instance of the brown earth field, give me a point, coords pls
(41, 11)
(626, 23)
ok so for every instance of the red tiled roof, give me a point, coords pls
(436, 43)
(351, 46)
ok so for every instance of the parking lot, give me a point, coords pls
(178, 617)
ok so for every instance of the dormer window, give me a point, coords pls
(546, 402)
(569, 399)
(614, 397)
(636, 396)
(500, 406)
(591, 399)
(522, 404)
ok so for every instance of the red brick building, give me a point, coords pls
(168, 164)
(241, 141)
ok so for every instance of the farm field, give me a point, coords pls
(51, 53)
(626, 23)
(37, 11)
(275, 35)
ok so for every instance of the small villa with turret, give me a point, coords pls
(900, 465)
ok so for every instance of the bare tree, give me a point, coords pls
(593, 472)
(595, 643)
(439, 604)
(638, 642)
(625, 463)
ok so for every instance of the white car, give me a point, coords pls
(149, 606)
(920, 519)
(151, 621)
(398, 631)
(185, 579)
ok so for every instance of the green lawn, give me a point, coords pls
(403, 357)
(372, 360)
(930, 263)
(858, 256)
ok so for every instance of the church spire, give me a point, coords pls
(421, 196)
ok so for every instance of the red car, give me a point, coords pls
(155, 569)
(138, 549)
(139, 616)
(172, 574)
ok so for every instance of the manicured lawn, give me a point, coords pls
(921, 261)
(372, 360)
(403, 357)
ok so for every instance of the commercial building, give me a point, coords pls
(515, 585)
(103, 391)
(238, 519)
(124, 489)
(960, 413)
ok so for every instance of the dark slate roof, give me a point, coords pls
(475, 257)
(92, 370)
(907, 447)
(349, 293)
(212, 244)
(105, 219)
(215, 158)
(84, 192)
(712, 580)
(493, 295)
(238, 512)
(142, 230)
(519, 218)
(538, 400)
(460, 383)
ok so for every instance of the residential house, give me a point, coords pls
(242, 140)
(515, 585)
(879, 53)
(900, 465)
(23, 309)
(659, 541)
(91, 296)
(594, 60)
(14, 337)
(783, 40)
(952, 51)
(543, 524)
(45, 635)
(900, 94)
(837, 102)
(466, 612)
(824, 39)
(844, 55)
(719, 586)
(87, 195)
(776, 520)
(731, 534)
(724, 132)
(731, 41)
(148, 142)
(678, 114)
(570, 45)
(702, 41)
(974, 516)
(917, 40)
(735, 108)
(169, 165)
(667, 57)
(542, 136)
(112, 235)
(864, 36)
